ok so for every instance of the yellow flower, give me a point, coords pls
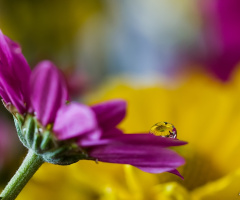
(205, 112)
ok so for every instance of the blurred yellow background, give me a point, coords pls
(155, 55)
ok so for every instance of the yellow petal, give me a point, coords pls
(222, 189)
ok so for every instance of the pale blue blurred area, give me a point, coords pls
(102, 38)
(139, 38)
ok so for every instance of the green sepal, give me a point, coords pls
(47, 142)
(29, 129)
(43, 142)
(18, 121)
(64, 155)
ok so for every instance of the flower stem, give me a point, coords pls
(30, 165)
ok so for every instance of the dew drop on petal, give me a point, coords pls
(164, 129)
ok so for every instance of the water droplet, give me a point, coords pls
(164, 129)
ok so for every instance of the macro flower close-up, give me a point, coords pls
(211, 170)
(58, 131)
(118, 100)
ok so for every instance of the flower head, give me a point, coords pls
(206, 113)
(63, 133)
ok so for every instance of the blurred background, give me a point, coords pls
(174, 61)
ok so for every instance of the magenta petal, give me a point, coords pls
(110, 113)
(11, 92)
(92, 139)
(111, 135)
(156, 170)
(13, 96)
(5, 53)
(14, 74)
(148, 139)
(176, 172)
(150, 158)
(74, 120)
(22, 73)
(86, 143)
(4, 95)
(221, 35)
(48, 91)
(20, 67)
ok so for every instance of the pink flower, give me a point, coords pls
(222, 29)
(42, 94)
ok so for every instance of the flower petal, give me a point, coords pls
(110, 113)
(147, 139)
(176, 172)
(14, 74)
(154, 169)
(19, 65)
(48, 91)
(148, 158)
(5, 53)
(9, 94)
(74, 120)
(109, 136)
(3, 94)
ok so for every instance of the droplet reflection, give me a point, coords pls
(164, 129)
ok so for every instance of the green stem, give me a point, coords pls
(30, 165)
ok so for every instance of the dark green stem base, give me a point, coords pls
(30, 165)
